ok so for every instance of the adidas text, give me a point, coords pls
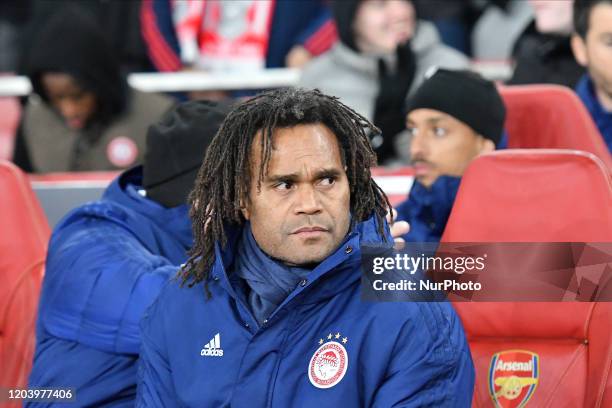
(213, 347)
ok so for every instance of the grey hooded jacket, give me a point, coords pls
(353, 77)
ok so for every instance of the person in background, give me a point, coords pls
(497, 28)
(267, 311)
(453, 117)
(241, 36)
(82, 116)
(543, 53)
(592, 42)
(452, 20)
(118, 22)
(381, 58)
(108, 260)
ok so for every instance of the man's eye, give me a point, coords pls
(440, 132)
(283, 186)
(411, 130)
(327, 181)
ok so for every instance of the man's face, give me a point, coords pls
(302, 213)
(442, 145)
(595, 51)
(380, 25)
(75, 104)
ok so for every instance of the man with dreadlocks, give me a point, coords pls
(267, 311)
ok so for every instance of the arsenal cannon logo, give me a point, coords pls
(513, 377)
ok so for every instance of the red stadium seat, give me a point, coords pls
(9, 120)
(533, 195)
(537, 196)
(551, 117)
(23, 245)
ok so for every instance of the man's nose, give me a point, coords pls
(307, 201)
(418, 146)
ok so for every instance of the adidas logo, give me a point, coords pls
(213, 348)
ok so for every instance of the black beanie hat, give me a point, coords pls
(467, 97)
(176, 146)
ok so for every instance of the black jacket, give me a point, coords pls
(544, 58)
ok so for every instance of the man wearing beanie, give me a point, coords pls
(453, 117)
(109, 259)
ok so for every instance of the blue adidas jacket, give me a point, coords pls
(212, 353)
(427, 209)
(601, 117)
(107, 262)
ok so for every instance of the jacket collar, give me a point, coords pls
(430, 208)
(333, 275)
(585, 89)
(441, 195)
(124, 190)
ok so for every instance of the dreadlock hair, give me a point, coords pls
(223, 179)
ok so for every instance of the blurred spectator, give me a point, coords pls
(543, 53)
(118, 21)
(235, 35)
(83, 115)
(453, 117)
(109, 259)
(382, 56)
(592, 42)
(499, 26)
(452, 19)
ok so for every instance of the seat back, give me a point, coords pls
(533, 195)
(23, 244)
(536, 196)
(551, 117)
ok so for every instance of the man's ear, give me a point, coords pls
(486, 146)
(244, 209)
(579, 50)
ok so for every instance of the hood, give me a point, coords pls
(124, 190)
(71, 42)
(344, 14)
(425, 39)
